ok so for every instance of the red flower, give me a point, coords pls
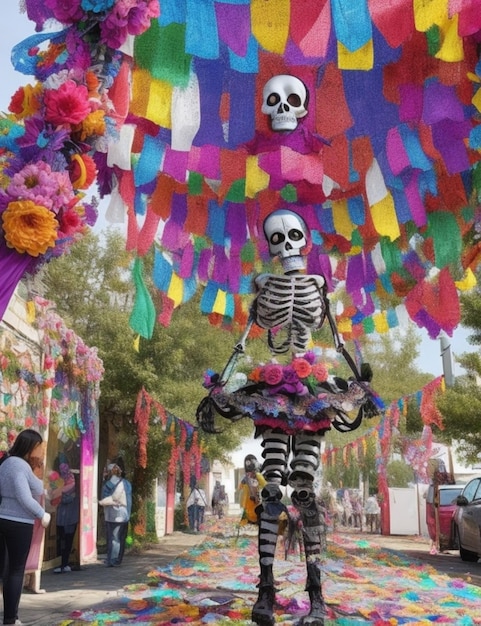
(66, 105)
(302, 367)
(319, 371)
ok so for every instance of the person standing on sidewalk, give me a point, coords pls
(117, 503)
(68, 513)
(20, 491)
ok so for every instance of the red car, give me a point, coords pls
(441, 500)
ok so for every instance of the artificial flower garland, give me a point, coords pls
(54, 141)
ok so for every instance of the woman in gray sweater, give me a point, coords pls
(20, 492)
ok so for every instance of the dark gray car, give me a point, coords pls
(467, 521)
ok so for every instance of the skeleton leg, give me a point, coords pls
(276, 451)
(306, 450)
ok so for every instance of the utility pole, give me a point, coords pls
(447, 359)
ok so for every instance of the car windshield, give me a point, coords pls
(448, 496)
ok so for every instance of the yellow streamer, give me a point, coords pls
(342, 221)
(220, 302)
(159, 104)
(270, 23)
(468, 281)
(136, 344)
(380, 322)
(384, 218)
(477, 100)
(362, 59)
(429, 12)
(176, 290)
(256, 178)
(452, 46)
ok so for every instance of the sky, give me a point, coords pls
(15, 27)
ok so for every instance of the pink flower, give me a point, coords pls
(273, 374)
(34, 182)
(66, 105)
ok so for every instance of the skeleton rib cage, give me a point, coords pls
(294, 304)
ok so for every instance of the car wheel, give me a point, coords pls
(466, 555)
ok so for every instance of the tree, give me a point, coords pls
(93, 292)
(389, 355)
(461, 404)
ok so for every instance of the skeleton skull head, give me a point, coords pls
(285, 100)
(288, 238)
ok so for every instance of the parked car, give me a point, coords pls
(467, 521)
(441, 499)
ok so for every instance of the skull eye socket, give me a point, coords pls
(295, 234)
(294, 100)
(273, 99)
(277, 238)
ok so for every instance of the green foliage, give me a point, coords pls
(93, 292)
(399, 474)
(461, 404)
(392, 358)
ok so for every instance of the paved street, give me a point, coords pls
(96, 586)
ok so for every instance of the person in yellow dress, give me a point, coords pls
(250, 487)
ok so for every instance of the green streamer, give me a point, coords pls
(142, 318)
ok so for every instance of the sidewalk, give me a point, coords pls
(95, 583)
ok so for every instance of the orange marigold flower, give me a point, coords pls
(29, 227)
(302, 367)
(93, 124)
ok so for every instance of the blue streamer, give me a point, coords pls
(201, 35)
(150, 160)
(248, 64)
(22, 61)
(162, 272)
(208, 297)
(173, 12)
(352, 23)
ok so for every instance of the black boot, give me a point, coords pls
(263, 610)
(318, 611)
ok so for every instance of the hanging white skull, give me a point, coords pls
(287, 235)
(285, 100)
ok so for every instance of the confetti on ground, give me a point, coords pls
(215, 583)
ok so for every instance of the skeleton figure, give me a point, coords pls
(289, 419)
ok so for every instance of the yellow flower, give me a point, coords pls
(93, 124)
(29, 227)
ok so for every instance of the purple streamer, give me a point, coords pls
(175, 164)
(449, 138)
(235, 226)
(441, 103)
(13, 266)
(239, 15)
(204, 264)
